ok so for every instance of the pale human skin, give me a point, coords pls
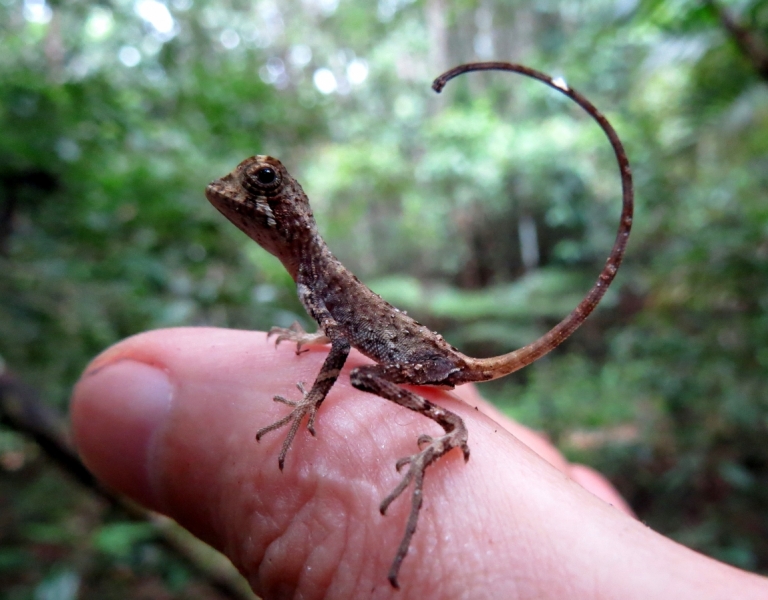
(168, 417)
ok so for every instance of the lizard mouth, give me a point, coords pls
(213, 191)
(225, 197)
(216, 191)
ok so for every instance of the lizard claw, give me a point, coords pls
(424, 440)
(283, 400)
(305, 406)
(296, 333)
(402, 462)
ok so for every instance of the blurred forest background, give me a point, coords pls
(486, 212)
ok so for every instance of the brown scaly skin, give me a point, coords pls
(266, 203)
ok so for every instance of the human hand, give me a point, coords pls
(169, 418)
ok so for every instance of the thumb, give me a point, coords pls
(169, 418)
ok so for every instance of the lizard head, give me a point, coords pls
(268, 205)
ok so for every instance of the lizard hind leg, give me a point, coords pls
(372, 379)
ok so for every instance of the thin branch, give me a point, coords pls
(11, 184)
(748, 42)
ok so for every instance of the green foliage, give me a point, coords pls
(114, 122)
(119, 539)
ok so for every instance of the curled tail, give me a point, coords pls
(498, 366)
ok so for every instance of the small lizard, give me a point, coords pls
(264, 201)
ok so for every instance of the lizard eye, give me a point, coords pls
(264, 178)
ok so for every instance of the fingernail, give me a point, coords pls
(117, 414)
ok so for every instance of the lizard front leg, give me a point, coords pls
(311, 400)
(372, 379)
